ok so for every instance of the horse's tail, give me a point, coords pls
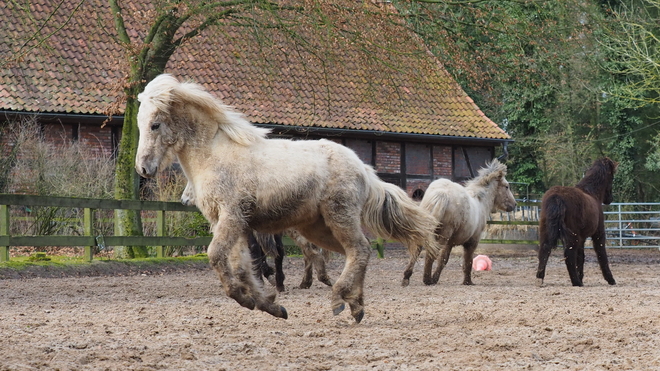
(390, 213)
(267, 243)
(554, 210)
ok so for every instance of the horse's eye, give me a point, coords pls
(155, 127)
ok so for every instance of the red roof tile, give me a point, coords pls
(271, 80)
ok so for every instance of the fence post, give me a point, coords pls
(160, 232)
(88, 226)
(4, 231)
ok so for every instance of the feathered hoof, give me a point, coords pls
(359, 315)
(339, 309)
(405, 282)
(305, 285)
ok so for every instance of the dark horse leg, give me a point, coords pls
(258, 258)
(442, 259)
(572, 251)
(548, 237)
(279, 258)
(468, 254)
(599, 247)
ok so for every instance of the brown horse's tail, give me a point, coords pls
(555, 229)
(390, 213)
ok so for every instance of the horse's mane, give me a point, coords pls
(494, 170)
(598, 177)
(165, 89)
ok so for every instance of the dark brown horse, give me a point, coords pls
(573, 214)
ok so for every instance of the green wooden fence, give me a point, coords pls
(88, 240)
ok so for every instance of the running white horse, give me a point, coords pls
(461, 214)
(240, 180)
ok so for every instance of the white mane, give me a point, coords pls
(166, 89)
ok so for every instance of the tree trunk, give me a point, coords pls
(127, 181)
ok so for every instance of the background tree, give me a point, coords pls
(540, 69)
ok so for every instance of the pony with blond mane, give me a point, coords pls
(243, 181)
(461, 213)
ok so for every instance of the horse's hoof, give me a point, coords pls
(326, 281)
(405, 282)
(430, 282)
(468, 283)
(539, 282)
(358, 317)
(305, 285)
(281, 289)
(339, 309)
(612, 282)
(284, 314)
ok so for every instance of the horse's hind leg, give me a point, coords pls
(545, 248)
(601, 255)
(468, 254)
(348, 239)
(314, 260)
(571, 257)
(319, 265)
(411, 265)
(443, 258)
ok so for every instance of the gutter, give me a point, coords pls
(281, 129)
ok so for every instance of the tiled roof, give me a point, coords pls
(271, 80)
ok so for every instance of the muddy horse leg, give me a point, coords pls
(346, 237)
(601, 255)
(442, 259)
(411, 265)
(468, 254)
(314, 261)
(233, 264)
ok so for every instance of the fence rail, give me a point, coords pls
(628, 225)
(88, 239)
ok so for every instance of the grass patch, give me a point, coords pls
(63, 266)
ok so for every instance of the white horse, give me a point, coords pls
(461, 214)
(240, 180)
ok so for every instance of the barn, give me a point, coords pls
(400, 111)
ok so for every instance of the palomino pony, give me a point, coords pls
(461, 214)
(242, 181)
(573, 214)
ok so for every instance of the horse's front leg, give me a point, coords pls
(188, 195)
(601, 254)
(279, 259)
(468, 254)
(233, 264)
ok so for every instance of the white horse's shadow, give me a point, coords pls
(240, 180)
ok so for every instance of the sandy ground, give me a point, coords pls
(183, 321)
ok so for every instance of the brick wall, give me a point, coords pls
(442, 162)
(388, 157)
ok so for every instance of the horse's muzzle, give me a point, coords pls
(145, 171)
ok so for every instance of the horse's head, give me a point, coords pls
(158, 136)
(504, 199)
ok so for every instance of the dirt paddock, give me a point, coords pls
(183, 321)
